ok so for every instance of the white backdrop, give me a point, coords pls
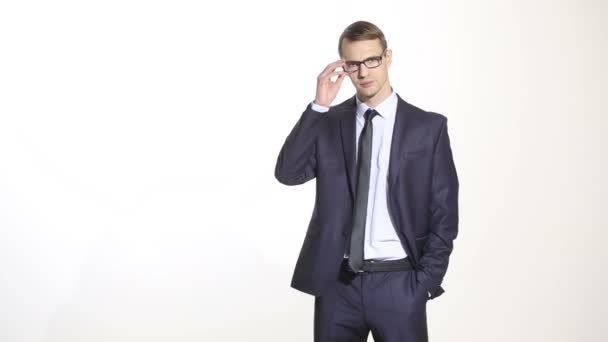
(138, 141)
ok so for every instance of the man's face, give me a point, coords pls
(369, 82)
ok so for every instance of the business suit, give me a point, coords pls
(422, 192)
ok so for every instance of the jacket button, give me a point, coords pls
(345, 232)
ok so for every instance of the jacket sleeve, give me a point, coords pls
(296, 163)
(443, 217)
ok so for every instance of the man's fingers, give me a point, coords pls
(336, 73)
(331, 67)
(329, 77)
(340, 78)
(334, 65)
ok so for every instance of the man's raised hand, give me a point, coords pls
(327, 90)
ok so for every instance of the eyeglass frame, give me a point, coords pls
(358, 63)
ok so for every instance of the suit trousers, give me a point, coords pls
(389, 304)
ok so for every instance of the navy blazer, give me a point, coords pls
(422, 191)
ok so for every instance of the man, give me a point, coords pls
(386, 206)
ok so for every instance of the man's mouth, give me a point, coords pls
(366, 83)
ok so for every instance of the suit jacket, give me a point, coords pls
(422, 191)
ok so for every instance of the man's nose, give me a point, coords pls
(363, 71)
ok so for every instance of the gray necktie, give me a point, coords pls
(355, 258)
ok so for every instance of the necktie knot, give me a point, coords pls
(369, 114)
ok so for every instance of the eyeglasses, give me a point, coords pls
(370, 63)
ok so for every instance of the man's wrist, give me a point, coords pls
(319, 108)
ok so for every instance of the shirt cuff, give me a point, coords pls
(319, 108)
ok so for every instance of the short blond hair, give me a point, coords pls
(362, 30)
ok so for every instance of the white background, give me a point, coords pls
(138, 141)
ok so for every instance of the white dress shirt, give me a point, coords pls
(381, 239)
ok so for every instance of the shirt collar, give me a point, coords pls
(386, 109)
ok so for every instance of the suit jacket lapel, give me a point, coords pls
(398, 142)
(348, 131)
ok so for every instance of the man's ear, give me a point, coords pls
(389, 57)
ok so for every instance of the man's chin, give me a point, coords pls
(366, 93)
